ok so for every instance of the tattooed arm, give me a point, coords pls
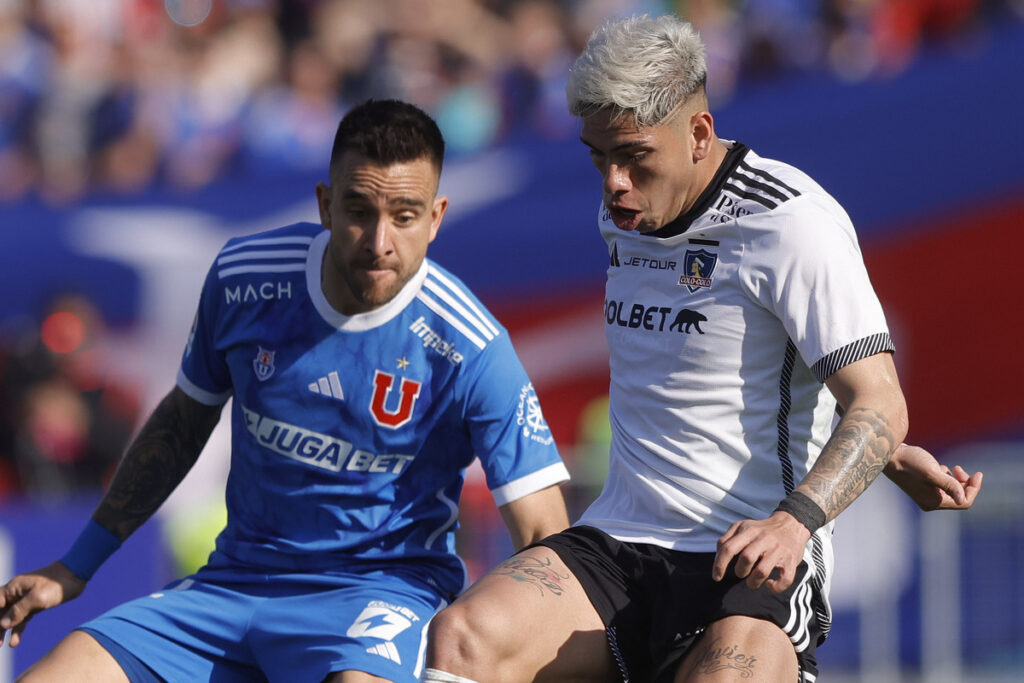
(874, 423)
(154, 464)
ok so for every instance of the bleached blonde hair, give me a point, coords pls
(640, 66)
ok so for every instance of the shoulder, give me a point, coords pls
(281, 250)
(783, 205)
(456, 310)
(763, 184)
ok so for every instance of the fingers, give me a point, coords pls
(8, 598)
(781, 579)
(725, 554)
(22, 599)
(14, 634)
(954, 488)
(12, 616)
(966, 489)
(757, 555)
(972, 488)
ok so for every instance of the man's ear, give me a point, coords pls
(702, 129)
(323, 202)
(437, 215)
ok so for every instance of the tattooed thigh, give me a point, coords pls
(539, 572)
(740, 649)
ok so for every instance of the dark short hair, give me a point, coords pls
(388, 132)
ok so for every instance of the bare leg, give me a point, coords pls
(78, 657)
(740, 649)
(528, 620)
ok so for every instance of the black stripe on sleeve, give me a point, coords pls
(743, 194)
(765, 175)
(758, 185)
(840, 358)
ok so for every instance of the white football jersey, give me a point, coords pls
(721, 328)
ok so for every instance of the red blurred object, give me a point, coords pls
(62, 332)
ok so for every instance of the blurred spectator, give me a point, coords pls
(291, 125)
(123, 94)
(532, 80)
(65, 421)
(25, 67)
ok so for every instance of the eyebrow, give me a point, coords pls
(400, 201)
(616, 148)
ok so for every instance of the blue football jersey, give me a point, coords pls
(351, 434)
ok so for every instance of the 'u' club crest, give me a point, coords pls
(263, 364)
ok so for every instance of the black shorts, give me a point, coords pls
(656, 602)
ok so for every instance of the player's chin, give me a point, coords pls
(381, 292)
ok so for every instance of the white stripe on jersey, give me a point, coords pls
(256, 254)
(453, 506)
(459, 308)
(462, 295)
(531, 483)
(452, 320)
(252, 268)
(203, 396)
(268, 240)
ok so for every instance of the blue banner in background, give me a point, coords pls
(943, 135)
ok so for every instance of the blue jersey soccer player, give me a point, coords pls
(364, 378)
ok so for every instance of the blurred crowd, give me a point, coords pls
(122, 95)
(64, 419)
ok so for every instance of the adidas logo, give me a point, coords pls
(329, 386)
(387, 650)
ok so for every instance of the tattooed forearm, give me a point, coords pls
(534, 571)
(156, 462)
(715, 657)
(855, 455)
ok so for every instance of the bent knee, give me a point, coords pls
(456, 638)
(754, 648)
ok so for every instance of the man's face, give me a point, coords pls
(381, 219)
(648, 174)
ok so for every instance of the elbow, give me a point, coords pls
(899, 422)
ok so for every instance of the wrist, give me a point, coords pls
(804, 510)
(893, 464)
(90, 550)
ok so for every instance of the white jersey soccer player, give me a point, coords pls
(722, 326)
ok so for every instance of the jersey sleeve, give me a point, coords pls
(810, 272)
(507, 428)
(203, 373)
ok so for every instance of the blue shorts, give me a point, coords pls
(296, 630)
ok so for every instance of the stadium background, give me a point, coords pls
(137, 135)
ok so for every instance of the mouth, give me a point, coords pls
(375, 266)
(624, 219)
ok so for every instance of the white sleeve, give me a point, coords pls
(808, 269)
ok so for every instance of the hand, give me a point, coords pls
(27, 594)
(766, 551)
(931, 485)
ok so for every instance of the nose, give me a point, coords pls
(379, 238)
(616, 180)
